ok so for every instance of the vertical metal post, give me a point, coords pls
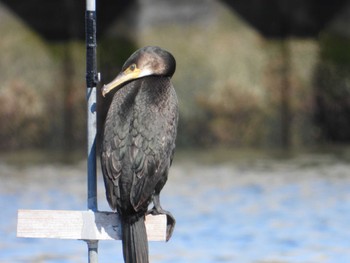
(91, 82)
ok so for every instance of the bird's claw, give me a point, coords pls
(170, 222)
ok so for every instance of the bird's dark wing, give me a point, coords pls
(153, 141)
(115, 142)
(138, 145)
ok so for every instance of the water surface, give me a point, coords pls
(240, 210)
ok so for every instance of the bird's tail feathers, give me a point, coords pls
(134, 239)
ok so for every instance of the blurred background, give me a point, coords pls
(264, 93)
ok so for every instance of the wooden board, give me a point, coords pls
(85, 225)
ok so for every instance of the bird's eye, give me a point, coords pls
(132, 67)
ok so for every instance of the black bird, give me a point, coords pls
(139, 143)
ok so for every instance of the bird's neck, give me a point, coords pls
(155, 88)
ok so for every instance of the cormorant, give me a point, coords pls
(139, 143)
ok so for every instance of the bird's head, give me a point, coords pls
(147, 61)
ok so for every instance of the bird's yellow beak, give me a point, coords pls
(125, 76)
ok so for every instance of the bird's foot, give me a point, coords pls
(170, 220)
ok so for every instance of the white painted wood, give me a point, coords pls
(85, 225)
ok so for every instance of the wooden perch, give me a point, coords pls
(84, 225)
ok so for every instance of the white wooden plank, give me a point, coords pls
(86, 225)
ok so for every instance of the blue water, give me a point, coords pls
(268, 210)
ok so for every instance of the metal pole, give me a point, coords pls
(92, 251)
(91, 82)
